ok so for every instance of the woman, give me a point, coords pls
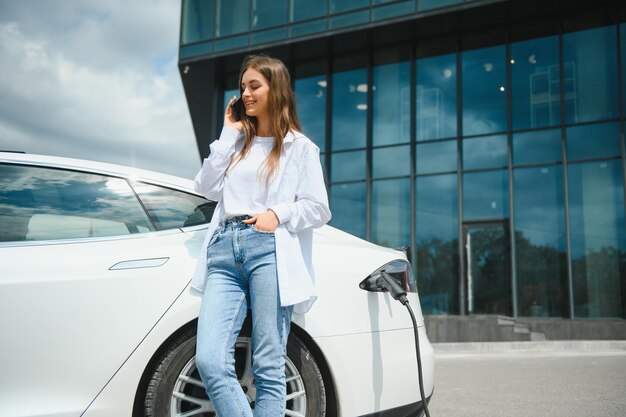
(267, 179)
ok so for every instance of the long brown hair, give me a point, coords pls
(281, 108)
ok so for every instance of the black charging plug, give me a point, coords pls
(396, 291)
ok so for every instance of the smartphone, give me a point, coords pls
(237, 108)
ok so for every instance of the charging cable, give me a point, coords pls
(399, 294)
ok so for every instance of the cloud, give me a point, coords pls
(96, 81)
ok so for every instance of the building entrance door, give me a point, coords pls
(487, 267)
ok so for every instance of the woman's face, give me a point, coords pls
(255, 93)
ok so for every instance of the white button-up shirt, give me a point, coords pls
(297, 195)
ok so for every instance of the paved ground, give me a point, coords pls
(530, 380)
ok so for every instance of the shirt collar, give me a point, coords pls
(291, 136)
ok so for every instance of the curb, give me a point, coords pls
(539, 346)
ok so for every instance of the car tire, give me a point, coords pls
(174, 386)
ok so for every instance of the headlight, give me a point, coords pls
(400, 271)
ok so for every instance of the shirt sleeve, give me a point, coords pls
(310, 208)
(209, 181)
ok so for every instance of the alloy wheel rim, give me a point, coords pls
(189, 399)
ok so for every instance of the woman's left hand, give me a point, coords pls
(264, 222)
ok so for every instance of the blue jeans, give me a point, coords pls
(242, 274)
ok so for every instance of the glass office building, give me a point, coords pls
(485, 136)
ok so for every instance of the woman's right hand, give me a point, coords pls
(229, 116)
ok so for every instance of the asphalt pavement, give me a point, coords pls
(530, 379)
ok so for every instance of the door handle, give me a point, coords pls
(139, 263)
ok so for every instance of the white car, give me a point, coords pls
(97, 317)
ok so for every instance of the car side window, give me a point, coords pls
(171, 209)
(39, 203)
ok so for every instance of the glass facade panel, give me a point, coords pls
(536, 83)
(485, 195)
(540, 242)
(486, 152)
(267, 13)
(268, 35)
(435, 97)
(309, 27)
(436, 157)
(231, 43)
(347, 203)
(396, 9)
(348, 166)
(198, 21)
(197, 49)
(349, 109)
(435, 4)
(622, 29)
(598, 238)
(487, 259)
(311, 105)
(484, 90)
(436, 232)
(308, 9)
(349, 19)
(391, 104)
(231, 19)
(585, 125)
(391, 213)
(343, 5)
(537, 147)
(228, 94)
(590, 80)
(391, 162)
(593, 141)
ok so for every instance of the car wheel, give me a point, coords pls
(175, 388)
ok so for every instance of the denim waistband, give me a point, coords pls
(234, 222)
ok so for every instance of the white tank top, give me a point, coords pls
(245, 188)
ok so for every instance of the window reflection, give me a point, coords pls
(45, 204)
(540, 241)
(343, 5)
(435, 4)
(598, 238)
(487, 152)
(485, 195)
(311, 105)
(231, 19)
(198, 20)
(590, 74)
(484, 91)
(307, 9)
(228, 94)
(537, 146)
(436, 233)
(391, 209)
(391, 162)
(536, 83)
(435, 97)
(392, 104)
(349, 109)
(623, 55)
(436, 157)
(348, 166)
(592, 141)
(266, 13)
(171, 209)
(347, 203)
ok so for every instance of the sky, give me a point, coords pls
(95, 80)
